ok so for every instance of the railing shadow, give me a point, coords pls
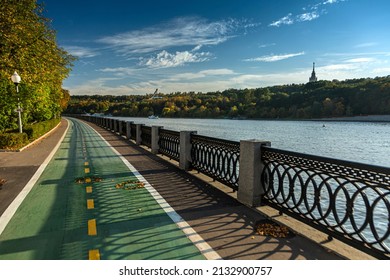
(224, 223)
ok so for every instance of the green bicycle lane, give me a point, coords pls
(87, 204)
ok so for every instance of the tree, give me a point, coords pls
(28, 46)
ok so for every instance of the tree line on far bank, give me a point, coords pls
(365, 96)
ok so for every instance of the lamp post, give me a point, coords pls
(16, 80)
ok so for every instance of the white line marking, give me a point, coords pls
(207, 251)
(10, 211)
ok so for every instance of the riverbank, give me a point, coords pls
(370, 118)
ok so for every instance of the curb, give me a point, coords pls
(33, 142)
(10, 211)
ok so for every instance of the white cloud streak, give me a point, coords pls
(315, 12)
(273, 58)
(81, 52)
(287, 20)
(165, 59)
(307, 16)
(186, 31)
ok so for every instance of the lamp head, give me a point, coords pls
(16, 78)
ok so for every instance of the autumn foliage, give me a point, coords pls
(28, 46)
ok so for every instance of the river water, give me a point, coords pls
(365, 142)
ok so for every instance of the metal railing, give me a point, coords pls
(123, 128)
(169, 143)
(347, 200)
(133, 129)
(146, 136)
(218, 158)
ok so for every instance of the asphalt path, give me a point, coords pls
(88, 204)
(102, 197)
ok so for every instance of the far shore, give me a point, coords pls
(371, 118)
(365, 118)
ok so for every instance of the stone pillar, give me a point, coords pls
(116, 126)
(185, 149)
(138, 136)
(111, 124)
(155, 137)
(120, 127)
(128, 130)
(250, 187)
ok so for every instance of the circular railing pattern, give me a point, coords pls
(335, 199)
(169, 143)
(217, 158)
(146, 136)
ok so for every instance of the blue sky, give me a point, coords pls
(133, 47)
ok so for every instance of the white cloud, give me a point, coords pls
(202, 74)
(308, 16)
(119, 71)
(186, 31)
(337, 67)
(287, 20)
(267, 45)
(222, 71)
(360, 60)
(165, 59)
(81, 52)
(273, 58)
(382, 71)
(331, 2)
(315, 12)
(366, 45)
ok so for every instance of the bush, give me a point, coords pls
(13, 141)
(36, 130)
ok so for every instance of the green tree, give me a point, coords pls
(28, 46)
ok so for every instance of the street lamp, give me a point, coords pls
(16, 80)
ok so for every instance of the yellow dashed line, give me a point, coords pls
(88, 180)
(88, 189)
(86, 163)
(94, 254)
(92, 227)
(87, 170)
(90, 204)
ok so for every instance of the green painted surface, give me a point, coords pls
(52, 221)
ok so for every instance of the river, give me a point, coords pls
(365, 142)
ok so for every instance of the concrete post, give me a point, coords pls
(128, 130)
(185, 149)
(120, 128)
(115, 126)
(155, 137)
(250, 188)
(138, 136)
(111, 124)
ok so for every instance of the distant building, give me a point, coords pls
(313, 77)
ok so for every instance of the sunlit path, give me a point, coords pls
(88, 205)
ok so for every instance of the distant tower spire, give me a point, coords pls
(313, 77)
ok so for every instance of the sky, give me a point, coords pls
(133, 47)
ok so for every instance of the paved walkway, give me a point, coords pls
(87, 205)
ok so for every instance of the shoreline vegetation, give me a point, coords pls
(354, 100)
